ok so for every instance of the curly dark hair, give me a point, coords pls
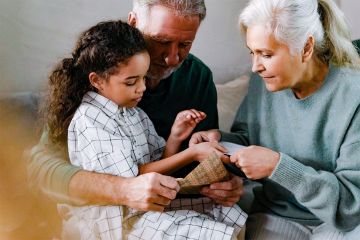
(99, 49)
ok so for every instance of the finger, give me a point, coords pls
(170, 182)
(233, 184)
(219, 147)
(195, 139)
(197, 113)
(232, 199)
(158, 200)
(193, 113)
(225, 158)
(226, 201)
(233, 158)
(149, 207)
(223, 194)
(166, 192)
(201, 115)
(220, 194)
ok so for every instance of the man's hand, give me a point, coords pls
(212, 135)
(147, 192)
(225, 193)
(255, 161)
(150, 192)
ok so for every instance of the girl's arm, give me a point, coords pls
(184, 124)
(170, 164)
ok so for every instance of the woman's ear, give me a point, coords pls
(132, 19)
(308, 50)
(96, 81)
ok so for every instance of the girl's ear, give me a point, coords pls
(308, 50)
(132, 19)
(96, 81)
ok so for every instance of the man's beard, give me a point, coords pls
(160, 76)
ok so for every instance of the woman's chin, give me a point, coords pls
(272, 87)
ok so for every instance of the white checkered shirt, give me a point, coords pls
(106, 138)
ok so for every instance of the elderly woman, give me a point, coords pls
(300, 121)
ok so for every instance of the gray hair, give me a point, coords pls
(181, 7)
(294, 21)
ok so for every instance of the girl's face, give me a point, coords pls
(126, 86)
(272, 60)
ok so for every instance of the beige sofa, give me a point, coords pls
(230, 95)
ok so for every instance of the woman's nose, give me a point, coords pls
(257, 66)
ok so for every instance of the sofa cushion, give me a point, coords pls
(230, 95)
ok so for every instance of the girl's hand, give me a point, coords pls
(202, 150)
(185, 123)
(255, 161)
(212, 135)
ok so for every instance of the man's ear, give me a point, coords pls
(96, 81)
(132, 19)
(308, 50)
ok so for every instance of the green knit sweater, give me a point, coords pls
(318, 176)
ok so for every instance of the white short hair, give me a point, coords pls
(294, 21)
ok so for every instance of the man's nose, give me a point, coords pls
(172, 58)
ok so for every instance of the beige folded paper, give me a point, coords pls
(209, 171)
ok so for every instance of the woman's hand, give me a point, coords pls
(255, 161)
(212, 135)
(185, 123)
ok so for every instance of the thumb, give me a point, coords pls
(225, 158)
(170, 182)
(195, 139)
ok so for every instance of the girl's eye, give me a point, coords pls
(130, 83)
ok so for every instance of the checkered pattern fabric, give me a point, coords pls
(109, 139)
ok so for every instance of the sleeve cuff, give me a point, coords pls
(288, 173)
(61, 188)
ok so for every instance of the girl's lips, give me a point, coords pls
(138, 99)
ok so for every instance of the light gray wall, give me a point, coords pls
(351, 8)
(35, 34)
(38, 33)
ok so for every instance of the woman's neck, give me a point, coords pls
(312, 79)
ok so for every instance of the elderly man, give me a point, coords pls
(177, 80)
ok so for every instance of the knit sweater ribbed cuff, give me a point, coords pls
(288, 173)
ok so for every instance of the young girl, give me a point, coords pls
(92, 106)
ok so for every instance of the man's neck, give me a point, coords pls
(151, 83)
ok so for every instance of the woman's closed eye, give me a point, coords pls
(266, 55)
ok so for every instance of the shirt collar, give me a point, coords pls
(103, 103)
